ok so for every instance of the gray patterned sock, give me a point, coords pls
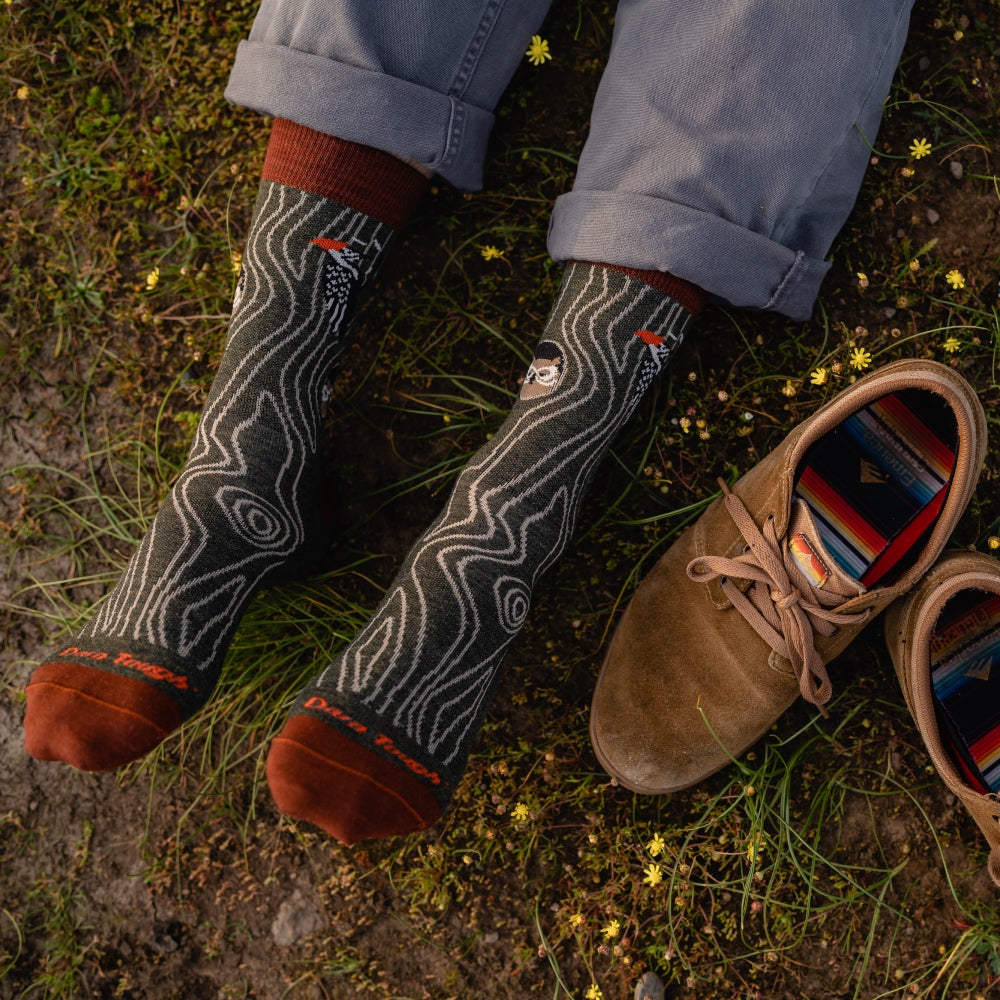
(245, 507)
(376, 745)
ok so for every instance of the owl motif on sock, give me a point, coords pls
(544, 372)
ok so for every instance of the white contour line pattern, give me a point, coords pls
(273, 370)
(513, 508)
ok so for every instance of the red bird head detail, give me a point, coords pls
(646, 336)
(327, 244)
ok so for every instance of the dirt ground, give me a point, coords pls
(135, 885)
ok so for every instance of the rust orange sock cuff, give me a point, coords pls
(359, 177)
(689, 295)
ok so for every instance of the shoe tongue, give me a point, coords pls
(813, 559)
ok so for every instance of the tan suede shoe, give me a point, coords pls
(910, 632)
(741, 615)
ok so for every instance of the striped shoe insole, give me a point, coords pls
(965, 678)
(876, 482)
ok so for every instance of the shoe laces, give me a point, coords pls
(780, 605)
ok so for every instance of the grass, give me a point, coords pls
(53, 916)
(826, 860)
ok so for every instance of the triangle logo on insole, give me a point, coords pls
(871, 473)
(980, 668)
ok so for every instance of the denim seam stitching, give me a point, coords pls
(790, 279)
(455, 130)
(487, 21)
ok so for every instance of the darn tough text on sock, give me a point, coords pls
(151, 670)
(382, 741)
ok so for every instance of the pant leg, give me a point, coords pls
(728, 142)
(416, 78)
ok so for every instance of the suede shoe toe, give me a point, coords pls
(743, 613)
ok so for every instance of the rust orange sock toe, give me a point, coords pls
(320, 775)
(93, 719)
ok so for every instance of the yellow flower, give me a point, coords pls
(576, 919)
(656, 846)
(611, 929)
(755, 846)
(23, 91)
(490, 252)
(993, 542)
(955, 278)
(237, 259)
(654, 875)
(594, 993)
(538, 51)
(951, 345)
(788, 389)
(818, 377)
(919, 148)
(862, 279)
(152, 279)
(860, 358)
(520, 813)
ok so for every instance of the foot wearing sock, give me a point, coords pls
(243, 511)
(377, 744)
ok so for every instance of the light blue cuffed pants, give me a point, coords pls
(727, 143)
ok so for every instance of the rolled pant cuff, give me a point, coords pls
(413, 122)
(741, 267)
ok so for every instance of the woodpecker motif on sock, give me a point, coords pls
(661, 346)
(342, 275)
(422, 672)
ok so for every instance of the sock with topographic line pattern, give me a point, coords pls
(243, 511)
(376, 745)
